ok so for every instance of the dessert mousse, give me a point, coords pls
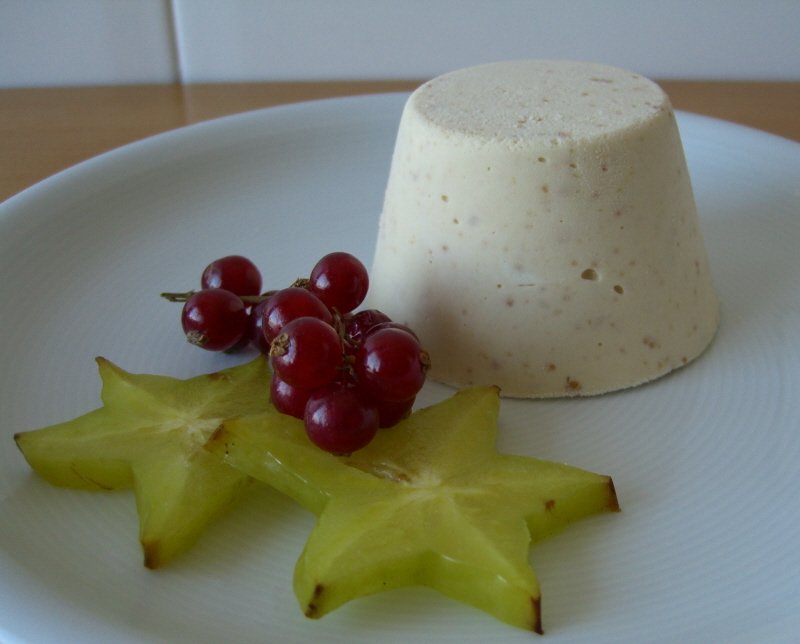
(539, 231)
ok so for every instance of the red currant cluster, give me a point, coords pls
(345, 373)
(223, 315)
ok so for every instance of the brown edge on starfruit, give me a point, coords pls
(312, 608)
(613, 501)
(152, 555)
(536, 604)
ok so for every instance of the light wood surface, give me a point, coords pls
(44, 130)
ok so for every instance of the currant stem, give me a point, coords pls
(247, 299)
(178, 297)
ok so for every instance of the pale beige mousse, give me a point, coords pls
(539, 231)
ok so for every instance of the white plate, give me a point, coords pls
(705, 460)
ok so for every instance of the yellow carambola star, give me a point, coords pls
(429, 502)
(149, 435)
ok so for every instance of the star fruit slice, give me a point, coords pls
(149, 435)
(429, 502)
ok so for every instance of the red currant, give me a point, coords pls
(391, 413)
(340, 281)
(307, 353)
(393, 325)
(289, 304)
(339, 420)
(234, 273)
(255, 330)
(287, 399)
(214, 319)
(391, 365)
(358, 325)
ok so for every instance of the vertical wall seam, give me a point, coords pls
(178, 62)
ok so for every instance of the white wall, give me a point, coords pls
(78, 42)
